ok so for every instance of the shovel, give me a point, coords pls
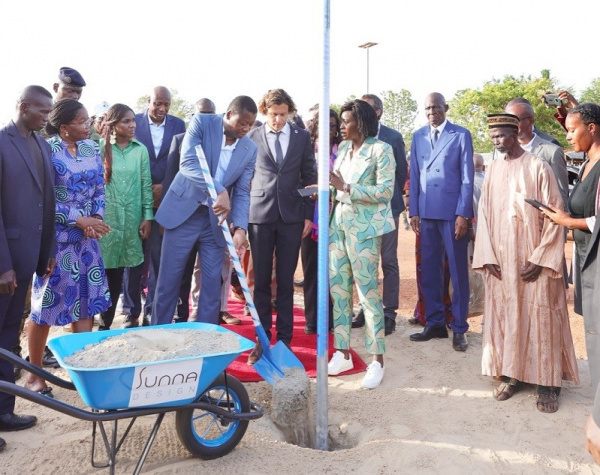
(276, 360)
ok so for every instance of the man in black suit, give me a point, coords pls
(389, 241)
(279, 216)
(26, 226)
(155, 128)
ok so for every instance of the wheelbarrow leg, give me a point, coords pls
(138, 467)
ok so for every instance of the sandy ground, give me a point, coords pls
(433, 413)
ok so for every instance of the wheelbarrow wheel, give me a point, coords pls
(208, 435)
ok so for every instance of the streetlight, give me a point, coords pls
(366, 46)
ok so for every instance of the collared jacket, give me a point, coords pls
(128, 203)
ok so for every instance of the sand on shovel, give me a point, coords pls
(291, 408)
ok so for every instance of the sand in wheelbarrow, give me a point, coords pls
(290, 409)
(152, 345)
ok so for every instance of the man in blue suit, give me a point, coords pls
(26, 227)
(441, 204)
(185, 214)
(155, 128)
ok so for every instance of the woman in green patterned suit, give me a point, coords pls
(362, 186)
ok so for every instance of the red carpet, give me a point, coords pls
(304, 346)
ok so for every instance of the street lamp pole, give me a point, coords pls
(366, 46)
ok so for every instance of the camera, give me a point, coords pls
(552, 100)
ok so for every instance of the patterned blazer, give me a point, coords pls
(371, 188)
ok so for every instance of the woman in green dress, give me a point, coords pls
(128, 209)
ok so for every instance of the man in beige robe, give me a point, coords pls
(526, 336)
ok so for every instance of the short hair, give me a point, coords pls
(589, 113)
(376, 101)
(29, 92)
(518, 100)
(64, 112)
(314, 108)
(478, 161)
(205, 102)
(364, 115)
(276, 97)
(243, 104)
(525, 105)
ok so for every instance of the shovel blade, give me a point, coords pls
(275, 361)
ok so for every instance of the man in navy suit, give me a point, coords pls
(389, 241)
(185, 214)
(155, 128)
(441, 204)
(279, 216)
(26, 226)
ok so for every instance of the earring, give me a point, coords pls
(113, 137)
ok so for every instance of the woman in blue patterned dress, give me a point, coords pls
(76, 289)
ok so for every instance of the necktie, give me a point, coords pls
(434, 139)
(278, 149)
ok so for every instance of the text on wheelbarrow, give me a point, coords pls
(167, 382)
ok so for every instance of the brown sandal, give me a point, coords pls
(547, 401)
(506, 390)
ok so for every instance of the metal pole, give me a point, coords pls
(368, 70)
(323, 245)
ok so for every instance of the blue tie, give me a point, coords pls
(434, 139)
(278, 149)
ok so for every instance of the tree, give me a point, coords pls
(592, 92)
(470, 106)
(338, 107)
(179, 107)
(399, 112)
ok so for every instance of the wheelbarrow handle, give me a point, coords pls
(27, 366)
(256, 411)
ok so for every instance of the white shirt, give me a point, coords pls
(528, 146)
(157, 132)
(224, 158)
(284, 139)
(440, 128)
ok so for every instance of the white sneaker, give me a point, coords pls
(374, 375)
(338, 364)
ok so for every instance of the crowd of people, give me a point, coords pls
(116, 204)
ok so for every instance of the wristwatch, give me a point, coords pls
(238, 227)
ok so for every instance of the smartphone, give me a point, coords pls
(552, 100)
(308, 191)
(536, 204)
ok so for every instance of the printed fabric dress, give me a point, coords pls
(77, 289)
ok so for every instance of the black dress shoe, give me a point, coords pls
(256, 354)
(390, 326)
(358, 321)
(309, 330)
(459, 342)
(48, 359)
(11, 422)
(2, 444)
(430, 332)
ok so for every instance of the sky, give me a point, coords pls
(222, 49)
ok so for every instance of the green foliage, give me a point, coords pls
(338, 107)
(592, 92)
(399, 112)
(179, 107)
(470, 106)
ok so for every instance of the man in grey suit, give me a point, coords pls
(389, 241)
(279, 216)
(185, 214)
(543, 149)
(26, 226)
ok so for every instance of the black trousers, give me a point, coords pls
(309, 265)
(284, 240)
(115, 281)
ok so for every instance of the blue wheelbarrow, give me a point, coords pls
(212, 408)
